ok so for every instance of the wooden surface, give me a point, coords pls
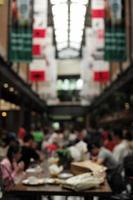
(56, 190)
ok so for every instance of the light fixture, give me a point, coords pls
(11, 89)
(6, 85)
(4, 114)
(2, 101)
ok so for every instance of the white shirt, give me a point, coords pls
(120, 151)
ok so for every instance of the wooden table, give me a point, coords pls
(56, 190)
(21, 190)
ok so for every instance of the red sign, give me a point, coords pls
(37, 76)
(102, 76)
(39, 33)
(98, 13)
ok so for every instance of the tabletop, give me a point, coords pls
(56, 190)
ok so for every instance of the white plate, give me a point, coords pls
(49, 180)
(37, 182)
(31, 170)
(65, 175)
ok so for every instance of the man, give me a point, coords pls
(28, 152)
(104, 157)
(101, 155)
(121, 149)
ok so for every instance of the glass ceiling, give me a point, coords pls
(69, 22)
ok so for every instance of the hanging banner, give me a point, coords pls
(115, 32)
(101, 77)
(101, 71)
(20, 36)
(39, 27)
(37, 76)
(97, 9)
(37, 71)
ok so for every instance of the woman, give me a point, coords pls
(10, 166)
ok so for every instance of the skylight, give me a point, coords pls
(69, 22)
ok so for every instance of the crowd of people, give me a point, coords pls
(113, 149)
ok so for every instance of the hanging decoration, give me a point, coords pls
(115, 33)
(37, 69)
(20, 36)
(39, 28)
(37, 72)
(101, 71)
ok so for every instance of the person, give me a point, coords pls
(10, 167)
(28, 152)
(101, 155)
(109, 142)
(21, 133)
(38, 136)
(121, 149)
(9, 138)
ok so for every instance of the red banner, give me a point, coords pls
(102, 77)
(97, 13)
(37, 76)
(39, 33)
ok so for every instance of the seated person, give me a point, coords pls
(104, 157)
(28, 152)
(101, 155)
(10, 166)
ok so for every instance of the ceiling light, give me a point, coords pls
(4, 114)
(5, 85)
(11, 89)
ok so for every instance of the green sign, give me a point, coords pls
(115, 43)
(115, 32)
(20, 46)
(20, 36)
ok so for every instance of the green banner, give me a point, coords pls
(115, 33)
(20, 47)
(115, 43)
(20, 36)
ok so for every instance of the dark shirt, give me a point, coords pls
(27, 154)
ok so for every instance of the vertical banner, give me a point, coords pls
(20, 36)
(115, 32)
(37, 70)
(39, 28)
(98, 16)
